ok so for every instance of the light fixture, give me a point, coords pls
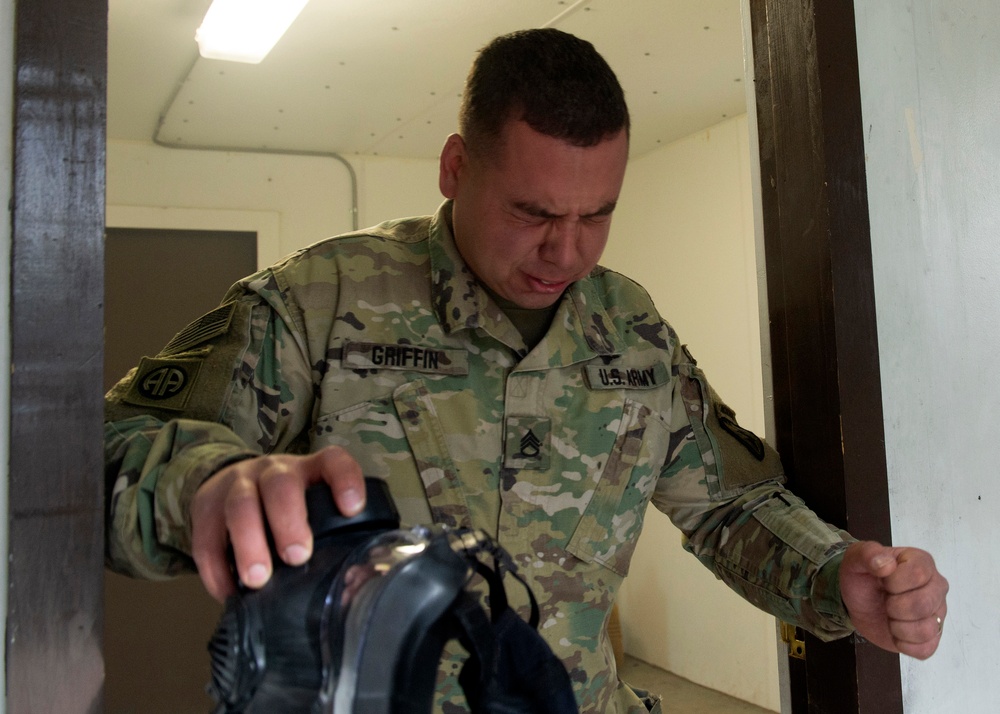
(245, 30)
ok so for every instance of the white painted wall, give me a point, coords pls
(930, 80)
(6, 179)
(305, 198)
(684, 229)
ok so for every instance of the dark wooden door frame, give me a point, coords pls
(56, 501)
(820, 293)
(823, 335)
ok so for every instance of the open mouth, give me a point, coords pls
(547, 286)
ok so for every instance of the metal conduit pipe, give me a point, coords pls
(246, 150)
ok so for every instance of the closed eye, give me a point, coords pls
(529, 210)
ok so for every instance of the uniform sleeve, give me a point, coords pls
(234, 384)
(723, 488)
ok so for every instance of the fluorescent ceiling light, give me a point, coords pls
(245, 30)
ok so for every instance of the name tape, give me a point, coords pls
(413, 358)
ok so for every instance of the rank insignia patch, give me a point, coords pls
(526, 443)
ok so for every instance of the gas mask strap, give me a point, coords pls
(475, 633)
(476, 542)
(510, 668)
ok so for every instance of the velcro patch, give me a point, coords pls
(622, 377)
(209, 325)
(163, 383)
(526, 442)
(752, 442)
(412, 358)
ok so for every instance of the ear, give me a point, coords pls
(453, 160)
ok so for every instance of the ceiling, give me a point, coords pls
(384, 77)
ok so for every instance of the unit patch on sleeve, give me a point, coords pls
(627, 377)
(412, 358)
(727, 420)
(163, 383)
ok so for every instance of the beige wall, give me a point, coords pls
(684, 229)
(291, 200)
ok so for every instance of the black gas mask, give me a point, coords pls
(360, 628)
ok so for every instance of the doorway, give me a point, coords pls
(53, 35)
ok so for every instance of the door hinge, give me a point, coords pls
(796, 645)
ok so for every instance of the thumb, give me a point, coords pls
(870, 558)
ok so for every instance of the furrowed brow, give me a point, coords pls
(535, 210)
(538, 212)
(606, 210)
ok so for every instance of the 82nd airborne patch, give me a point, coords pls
(163, 383)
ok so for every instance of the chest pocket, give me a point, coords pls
(610, 525)
(437, 470)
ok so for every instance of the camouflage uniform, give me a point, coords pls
(382, 342)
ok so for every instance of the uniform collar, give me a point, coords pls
(581, 328)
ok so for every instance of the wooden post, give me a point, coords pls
(824, 343)
(54, 661)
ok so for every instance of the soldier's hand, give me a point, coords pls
(232, 506)
(895, 596)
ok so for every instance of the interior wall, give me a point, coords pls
(684, 229)
(930, 100)
(6, 179)
(310, 195)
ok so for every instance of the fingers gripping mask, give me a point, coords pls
(360, 628)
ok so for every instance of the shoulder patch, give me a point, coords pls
(736, 460)
(727, 420)
(163, 383)
(209, 325)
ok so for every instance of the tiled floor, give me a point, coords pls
(681, 696)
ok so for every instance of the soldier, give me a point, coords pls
(484, 365)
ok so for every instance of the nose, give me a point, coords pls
(560, 245)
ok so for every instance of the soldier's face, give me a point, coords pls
(535, 216)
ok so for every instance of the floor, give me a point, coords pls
(681, 696)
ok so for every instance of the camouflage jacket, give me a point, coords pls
(382, 341)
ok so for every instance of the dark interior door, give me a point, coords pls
(156, 633)
(820, 292)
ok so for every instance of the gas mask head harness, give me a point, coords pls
(360, 628)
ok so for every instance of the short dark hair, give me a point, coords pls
(557, 83)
